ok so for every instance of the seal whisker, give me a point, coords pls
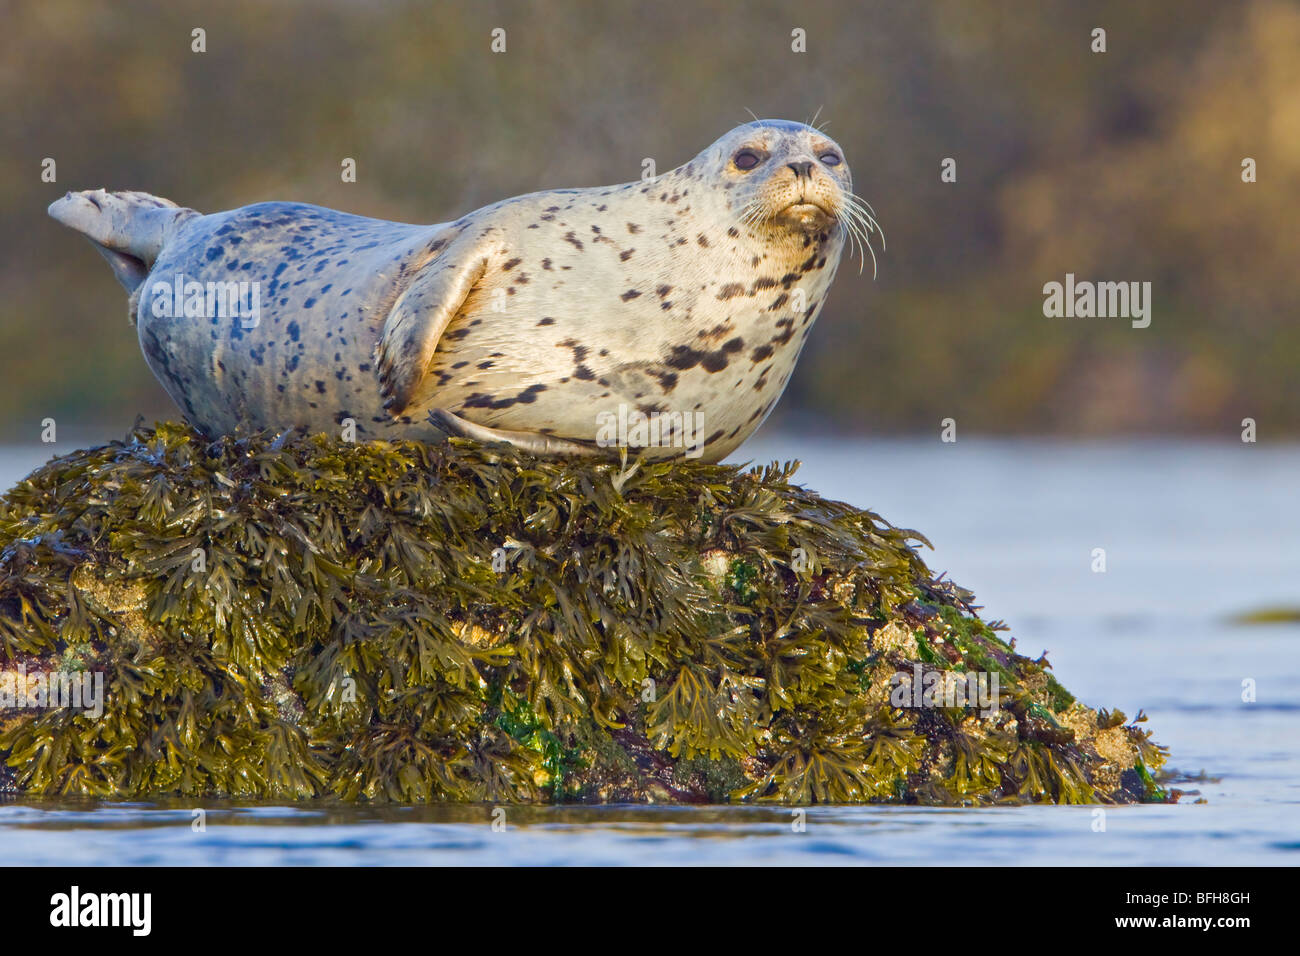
(854, 231)
(855, 198)
(867, 230)
(861, 228)
(852, 228)
(862, 248)
(849, 238)
(857, 203)
(750, 214)
(864, 202)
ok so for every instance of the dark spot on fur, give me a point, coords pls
(580, 353)
(667, 380)
(684, 357)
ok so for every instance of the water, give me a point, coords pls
(1194, 533)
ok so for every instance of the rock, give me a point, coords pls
(297, 617)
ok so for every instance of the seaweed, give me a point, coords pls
(297, 617)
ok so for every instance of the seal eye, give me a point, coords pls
(746, 159)
(830, 159)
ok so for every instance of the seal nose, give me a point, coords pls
(802, 170)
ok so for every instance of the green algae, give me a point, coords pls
(294, 617)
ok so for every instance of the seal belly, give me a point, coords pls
(555, 363)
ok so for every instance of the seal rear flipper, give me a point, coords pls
(532, 442)
(129, 229)
(416, 322)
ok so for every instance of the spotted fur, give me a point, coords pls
(691, 292)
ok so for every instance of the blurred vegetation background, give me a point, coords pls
(1117, 166)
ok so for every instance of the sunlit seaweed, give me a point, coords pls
(299, 617)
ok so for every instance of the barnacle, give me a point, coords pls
(296, 617)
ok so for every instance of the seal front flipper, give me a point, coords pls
(417, 320)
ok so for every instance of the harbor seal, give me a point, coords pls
(664, 314)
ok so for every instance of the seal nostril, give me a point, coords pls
(802, 170)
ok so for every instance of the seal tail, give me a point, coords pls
(128, 228)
